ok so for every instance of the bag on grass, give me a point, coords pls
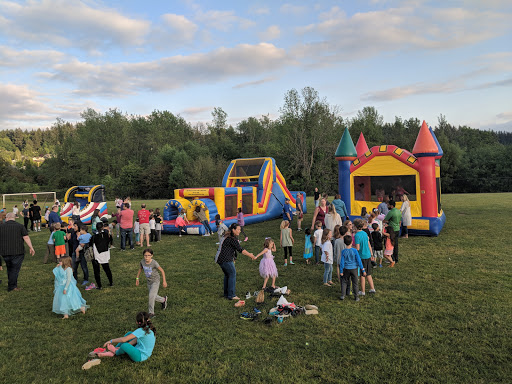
(261, 297)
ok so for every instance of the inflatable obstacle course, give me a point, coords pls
(256, 185)
(90, 198)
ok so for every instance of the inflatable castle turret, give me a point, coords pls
(365, 175)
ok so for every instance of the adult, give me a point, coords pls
(300, 211)
(101, 242)
(340, 206)
(12, 248)
(332, 219)
(75, 212)
(54, 217)
(36, 216)
(77, 257)
(405, 209)
(319, 214)
(287, 210)
(143, 216)
(317, 197)
(393, 218)
(26, 215)
(126, 224)
(31, 216)
(226, 260)
(383, 207)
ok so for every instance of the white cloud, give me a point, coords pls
(118, 79)
(223, 20)
(256, 82)
(183, 28)
(10, 57)
(293, 9)
(339, 37)
(271, 33)
(194, 111)
(70, 23)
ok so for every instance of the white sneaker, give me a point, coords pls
(361, 293)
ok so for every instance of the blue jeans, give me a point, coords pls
(13, 264)
(129, 232)
(207, 227)
(327, 272)
(229, 279)
(83, 264)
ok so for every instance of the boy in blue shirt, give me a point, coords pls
(347, 268)
(362, 244)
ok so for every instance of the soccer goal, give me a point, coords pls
(9, 200)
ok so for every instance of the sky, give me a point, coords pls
(406, 58)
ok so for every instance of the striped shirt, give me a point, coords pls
(11, 238)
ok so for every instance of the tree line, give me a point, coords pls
(150, 156)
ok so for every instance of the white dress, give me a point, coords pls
(406, 214)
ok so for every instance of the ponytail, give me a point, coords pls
(144, 322)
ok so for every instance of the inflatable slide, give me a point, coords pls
(90, 198)
(255, 185)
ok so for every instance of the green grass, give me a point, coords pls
(442, 316)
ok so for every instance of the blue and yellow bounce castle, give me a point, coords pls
(256, 185)
(364, 174)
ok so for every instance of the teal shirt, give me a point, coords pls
(361, 238)
(145, 342)
(394, 217)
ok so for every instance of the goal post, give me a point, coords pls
(43, 198)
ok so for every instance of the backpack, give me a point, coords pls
(89, 254)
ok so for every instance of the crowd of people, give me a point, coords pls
(353, 248)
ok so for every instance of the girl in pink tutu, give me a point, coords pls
(182, 221)
(267, 264)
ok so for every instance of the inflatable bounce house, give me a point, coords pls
(90, 197)
(365, 175)
(255, 185)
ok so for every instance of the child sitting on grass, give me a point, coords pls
(138, 345)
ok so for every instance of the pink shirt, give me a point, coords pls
(126, 219)
(143, 216)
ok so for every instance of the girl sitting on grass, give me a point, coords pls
(138, 345)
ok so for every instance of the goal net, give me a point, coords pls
(44, 199)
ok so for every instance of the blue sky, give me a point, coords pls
(406, 58)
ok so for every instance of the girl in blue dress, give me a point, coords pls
(67, 299)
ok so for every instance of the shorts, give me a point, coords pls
(144, 229)
(378, 254)
(60, 250)
(367, 265)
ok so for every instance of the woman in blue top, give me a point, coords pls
(138, 345)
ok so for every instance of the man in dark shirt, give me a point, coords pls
(12, 249)
(36, 216)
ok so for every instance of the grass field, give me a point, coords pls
(443, 315)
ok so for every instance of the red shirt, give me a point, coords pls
(143, 216)
(126, 219)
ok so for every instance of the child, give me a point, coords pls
(182, 221)
(318, 241)
(327, 256)
(362, 244)
(158, 225)
(59, 239)
(67, 299)
(136, 230)
(151, 268)
(347, 269)
(339, 245)
(221, 227)
(241, 222)
(152, 228)
(364, 213)
(138, 345)
(50, 247)
(376, 237)
(200, 214)
(267, 265)
(286, 241)
(388, 252)
(308, 245)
